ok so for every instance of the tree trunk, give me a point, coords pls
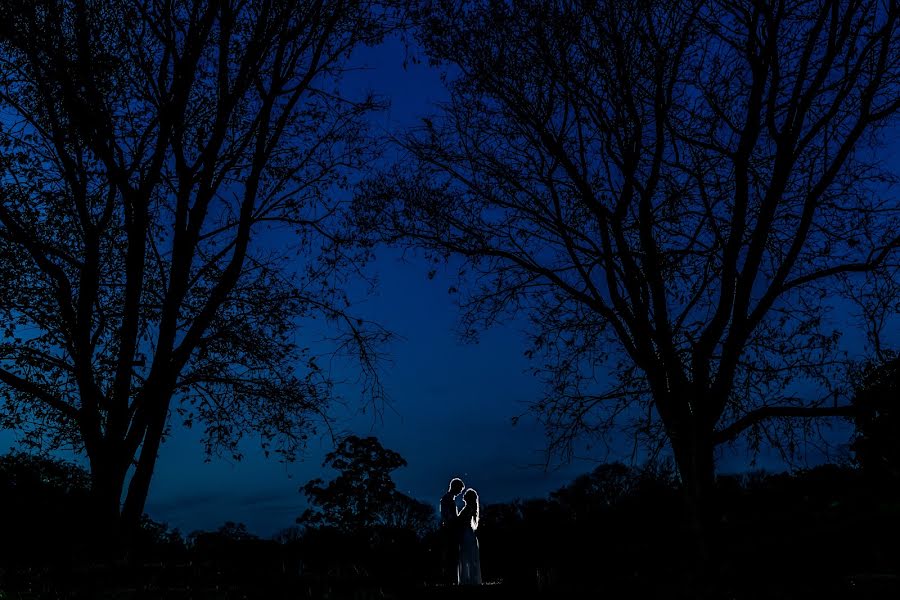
(115, 522)
(696, 466)
(107, 483)
(139, 486)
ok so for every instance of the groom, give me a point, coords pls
(450, 531)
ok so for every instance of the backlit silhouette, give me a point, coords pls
(469, 555)
(450, 531)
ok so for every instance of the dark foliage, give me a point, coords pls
(358, 525)
(820, 532)
(359, 496)
(41, 501)
(47, 543)
(823, 532)
(877, 443)
(363, 495)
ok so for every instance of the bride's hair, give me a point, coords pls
(472, 506)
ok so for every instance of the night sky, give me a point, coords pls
(451, 402)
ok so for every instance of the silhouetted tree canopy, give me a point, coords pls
(364, 495)
(677, 193)
(168, 224)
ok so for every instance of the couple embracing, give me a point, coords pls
(462, 561)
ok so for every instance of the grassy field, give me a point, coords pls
(876, 586)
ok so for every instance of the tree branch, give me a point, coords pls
(29, 387)
(754, 417)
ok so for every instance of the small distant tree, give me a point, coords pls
(405, 512)
(235, 531)
(159, 539)
(363, 495)
(602, 487)
(228, 533)
(289, 535)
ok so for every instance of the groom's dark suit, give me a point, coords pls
(450, 537)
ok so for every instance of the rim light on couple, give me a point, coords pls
(460, 552)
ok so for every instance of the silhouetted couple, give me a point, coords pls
(462, 561)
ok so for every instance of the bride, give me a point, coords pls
(469, 570)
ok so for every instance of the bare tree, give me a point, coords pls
(167, 221)
(677, 193)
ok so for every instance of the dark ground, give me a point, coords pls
(822, 534)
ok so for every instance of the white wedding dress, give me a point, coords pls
(469, 571)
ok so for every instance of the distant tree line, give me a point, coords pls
(616, 530)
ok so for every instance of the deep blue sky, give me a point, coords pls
(451, 402)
